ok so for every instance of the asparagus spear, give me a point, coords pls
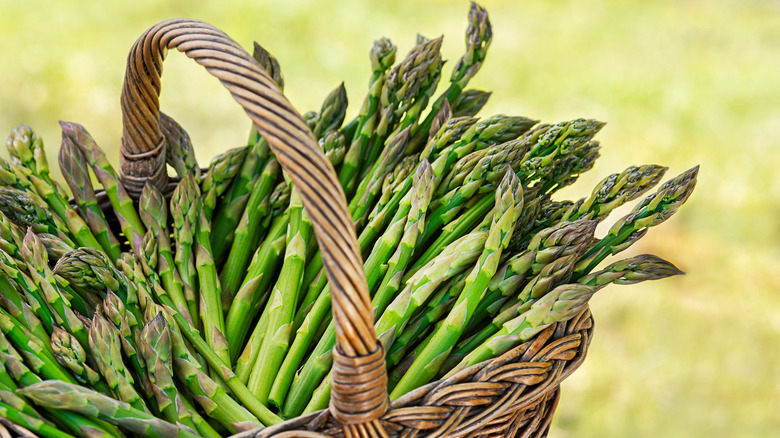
(34, 254)
(125, 211)
(269, 64)
(616, 190)
(382, 58)
(547, 246)
(470, 102)
(32, 423)
(185, 210)
(127, 326)
(26, 146)
(413, 226)
(17, 307)
(27, 209)
(210, 290)
(71, 355)
(332, 113)
(465, 181)
(154, 213)
(509, 203)
(554, 274)
(76, 423)
(632, 270)
(211, 358)
(453, 260)
(55, 247)
(62, 395)
(236, 197)
(405, 92)
(423, 324)
(563, 303)
(370, 186)
(104, 342)
(285, 292)
(74, 168)
(651, 211)
(179, 153)
(155, 347)
(333, 145)
(234, 269)
(548, 143)
(259, 275)
(33, 297)
(90, 270)
(38, 357)
(245, 363)
(410, 227)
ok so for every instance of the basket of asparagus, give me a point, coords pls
(406, 273)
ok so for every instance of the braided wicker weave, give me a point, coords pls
(513, 395)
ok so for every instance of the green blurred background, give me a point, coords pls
(680, 83)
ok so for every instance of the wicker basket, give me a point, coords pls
(513, 395)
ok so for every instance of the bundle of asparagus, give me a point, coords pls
(209, 313)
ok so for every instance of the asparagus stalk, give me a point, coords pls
(62, 395)
(563, 303)
(453, 260)
(34, 254)
(406, 93)
(285, 292)
(234, 269)
(470, 102)
(260, 273)
(71, 355)
(210, 290)
(179, 152)
(382, 58)
(333, 145)
(38, 357)
(370, 186)
(332, 113)
(479, 35)
(127, 326)
(548, 143)
(212, 359)
(615, 190)
(185, 210)
(509, 203)
(22, 312)
(155, 347)
(154, 213)
(556, 273)
(90, 271)
(236, 197)
(76, 423)
(125, 211)
(480, 174)
(105, 344)
(26, 146)
(55, 247)
(248, 358)
(632, 270)
(74, 168)
(651, 211)
(33, 297)
(32, 423)
(28, 210)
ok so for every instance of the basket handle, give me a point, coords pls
(357, 353)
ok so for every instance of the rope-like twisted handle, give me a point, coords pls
(143, 159)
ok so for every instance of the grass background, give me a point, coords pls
(680, 83)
